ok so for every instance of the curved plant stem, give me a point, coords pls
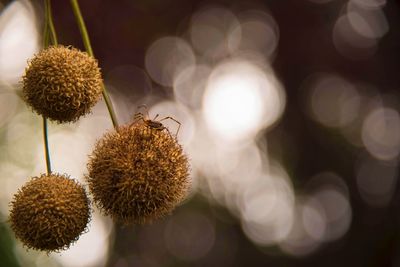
(46, 35)
(46, 146)
(88, 47)
(48, 25)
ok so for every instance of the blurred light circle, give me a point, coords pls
(189, 236)
(239, 167)
(299, 242)
(337, 211)
(377, 181)
(328, 195)
(270, 232)
(241, 99)
(259, 202)
(381, 133)
(167, 57)
(370, 4)
(19, 39)
(334, 101)
(314, 219)
(190, 84)
(349, 43)
(267, 208)
(327, 179)
(209, 29)
(256, 32)
(370, 23)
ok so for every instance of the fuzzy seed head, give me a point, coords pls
(62, 83)
(138, 174)
(49, 212)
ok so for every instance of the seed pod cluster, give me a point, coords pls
(62, 83)
(49, 212)
(138, 173)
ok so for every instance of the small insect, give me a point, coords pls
(153, 123)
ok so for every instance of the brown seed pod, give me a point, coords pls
(62, 83)
(49, 212)
(138, 173)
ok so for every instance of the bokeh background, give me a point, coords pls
(290, 118)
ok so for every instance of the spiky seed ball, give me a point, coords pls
(62, 83)
(138, 174)
(49, 212)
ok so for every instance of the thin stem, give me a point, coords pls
(46, 26)
(88, 47)
(82, 26)
(46, 146)
(50, 23)
(46, 39)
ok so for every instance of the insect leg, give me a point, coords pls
(137, 117)
(179, 124)
(144, 106)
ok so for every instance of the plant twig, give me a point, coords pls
(88, 47)
(46, 146)
(48, 25)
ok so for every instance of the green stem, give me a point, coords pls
(88, 47)
(46, 38)
(50, 23)
(46, 26)
(46, 146)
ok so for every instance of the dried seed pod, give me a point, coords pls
(49, 212)
(62, 83)
(138, 173)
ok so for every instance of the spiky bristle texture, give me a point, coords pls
(138, 174)
(49, 212)
(62, 83)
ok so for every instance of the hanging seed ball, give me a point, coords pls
(138, 173)
(62, 83)
(49, 212)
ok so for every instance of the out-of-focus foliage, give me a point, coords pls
(7, 243)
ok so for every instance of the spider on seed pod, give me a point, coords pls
(138, 172)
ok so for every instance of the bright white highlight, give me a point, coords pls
(231, 93)
(18, 39)
(241, 99)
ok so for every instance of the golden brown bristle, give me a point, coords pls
(62, 83)
(49, 212)
(138, 174)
